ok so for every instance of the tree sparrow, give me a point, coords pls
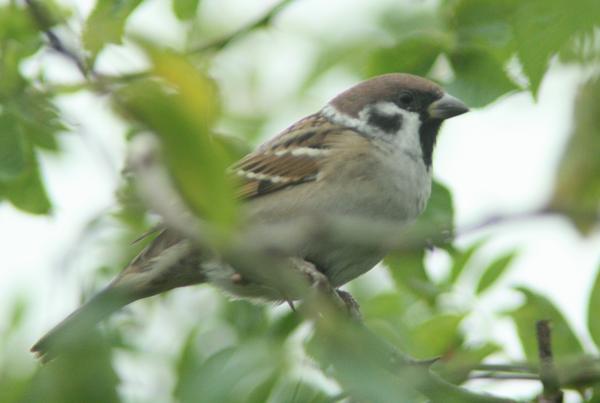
(366, 154)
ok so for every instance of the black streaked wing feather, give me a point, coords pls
(273, 166)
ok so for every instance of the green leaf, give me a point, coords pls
(460, 259)
(185, 9)
(285, 325)
(483, 24)
(83, 373)
(577, 183)
(536, 43)
(351, 351)
(480, 77)
(27, 191)
(182, 117)
(13, 152)
(408, 271)
(438, 215)
(12, 388)
(414, 54)
(536, 307)
(231, 375)
(384, 305)
(593, 310)
(19, 37)
(106, 24)
(436, 336)
(458, 365)
(494, 271)
(38, 118)
(247, 318)
(292, 390)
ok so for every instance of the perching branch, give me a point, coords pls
(548, 373)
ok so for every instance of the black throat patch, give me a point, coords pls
(427, 135)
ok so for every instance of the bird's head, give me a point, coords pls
(399, 108)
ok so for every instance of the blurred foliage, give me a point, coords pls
(565, 342)
(577, 188)
(480, 50)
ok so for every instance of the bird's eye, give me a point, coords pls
(406, 99)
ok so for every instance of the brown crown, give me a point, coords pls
(382, 88)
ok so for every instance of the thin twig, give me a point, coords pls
(513, 368)
(548, 374)
(42, 19)
(265, 20)
(505, 377)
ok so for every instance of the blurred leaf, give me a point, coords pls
(536, 44)
(285, 325)
(230, 375)
(537, 307)
(401, 21)
(82, 374)
(19, 38)
(183, 119)
(595, 398)
(480, 77)
(577, 184)
(408, 271)
(460, 259)
(185, 9)
(247, 318)
(12, 389)
(27, 191)
(352, 351)
(483, 24)
(292, 390)
(132, 210)
(13, 155)
(494, 271)
(38, 118)
(233, 147)
(438, 215)
(106, 24)
(383, 305)
(385, 314)
(17, 314)
(582, 49)
(415, 54)
(455, 368)
(593, 319)
(437, 336)
(351, 54)
(16, 23)
(261, 393)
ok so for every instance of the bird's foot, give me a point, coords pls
(316, 279)
(320, 283)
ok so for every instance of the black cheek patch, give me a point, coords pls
(387, 123)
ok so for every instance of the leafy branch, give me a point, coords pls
(339, 340)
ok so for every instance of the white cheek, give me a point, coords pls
(407, 138)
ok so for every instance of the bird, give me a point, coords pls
(367, 153)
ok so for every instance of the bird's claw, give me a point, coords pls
(320, 282)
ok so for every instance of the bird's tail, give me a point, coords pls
(63, 336)
(164, 264)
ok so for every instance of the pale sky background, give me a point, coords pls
(500, 159)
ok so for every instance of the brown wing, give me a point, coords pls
(293, 157)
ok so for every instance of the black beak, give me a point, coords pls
(447, 107)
